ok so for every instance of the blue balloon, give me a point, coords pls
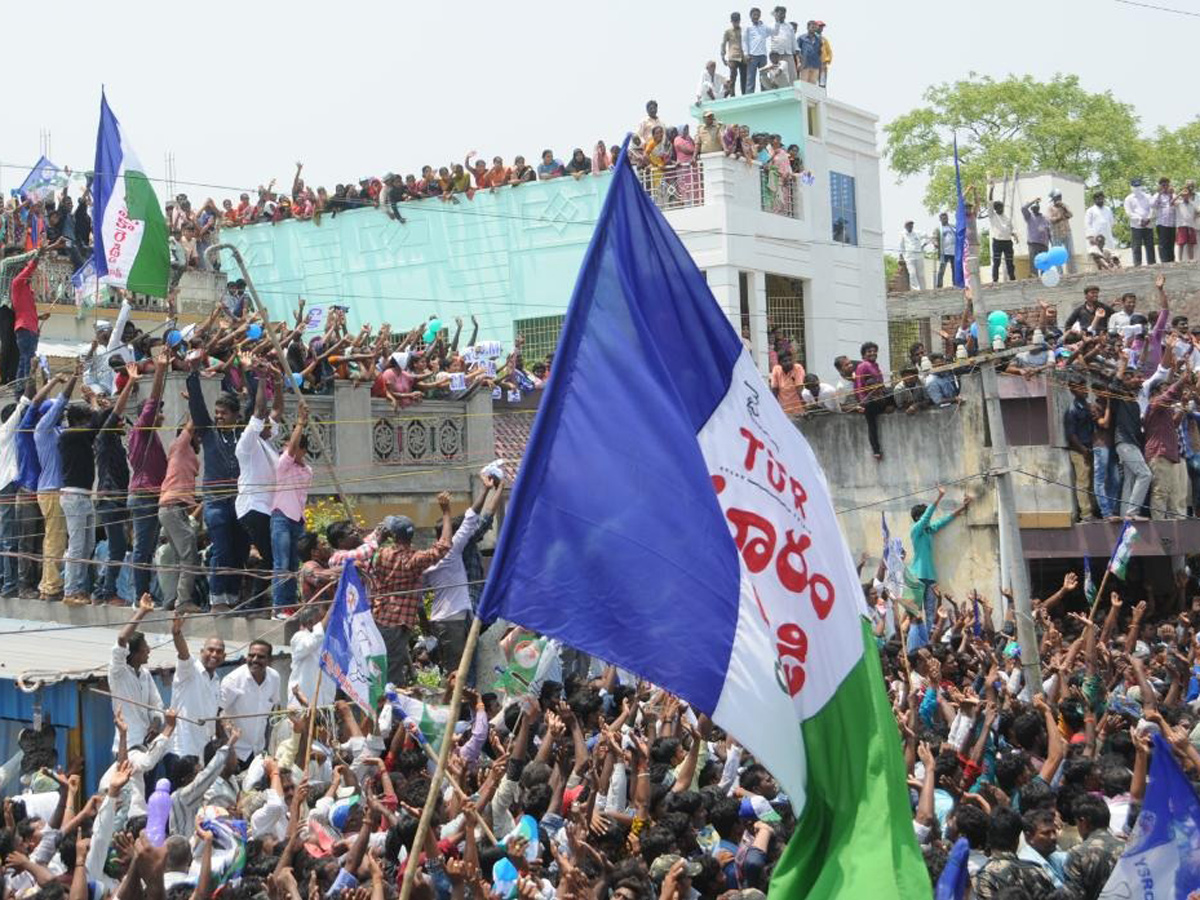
(298, 380)
(173, 337)
(1057, 256)
(254, 332)
(1041, 262)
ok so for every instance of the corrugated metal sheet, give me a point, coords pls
(71, 652)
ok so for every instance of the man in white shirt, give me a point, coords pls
(306, 660)
(774, 75)
(257, 461)
(912, 251)
(1098, 221)
(449, 616)
(1001, 230)
(196, 694)
(109, 340)
(817, 393)
(755, 37)
(1141, 229)
(130, 679)
(1163, 205)
(712, 83)
(9, 531)
(1120, 318)
(252, 690)
(783, 42)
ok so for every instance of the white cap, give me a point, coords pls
(400, 358)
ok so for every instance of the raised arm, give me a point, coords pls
(293, 446)
(145, 605)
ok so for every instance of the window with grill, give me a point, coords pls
(541, 336)
(785, 314)
(843, 210)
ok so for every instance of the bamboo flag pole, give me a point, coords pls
(312, 720)
(1099, 594)
(464, 665)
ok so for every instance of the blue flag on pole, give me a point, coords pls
(1160, 861)
(353, 653)
(678, 525)
(960, 225)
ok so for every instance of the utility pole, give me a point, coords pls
(1006, 506)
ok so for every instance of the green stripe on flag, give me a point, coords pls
(855, 835)
(151, 268)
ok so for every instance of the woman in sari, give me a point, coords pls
(601, 161)
(685, 160)
(778, 176)
(657, 155)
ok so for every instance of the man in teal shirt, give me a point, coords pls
(922, 566)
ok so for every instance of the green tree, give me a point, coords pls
(1016, 123)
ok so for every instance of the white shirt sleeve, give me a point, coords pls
(102, 833)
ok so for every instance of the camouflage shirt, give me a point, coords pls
(1089, 864)
(1003, 869)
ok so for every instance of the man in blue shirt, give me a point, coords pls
(46, 429)
(28, 538)
(922, 567)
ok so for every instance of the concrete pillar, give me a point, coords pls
(758, 321)
(724, 283)
(353, 442)
(481, 433)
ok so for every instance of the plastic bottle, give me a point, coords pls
(158, 813)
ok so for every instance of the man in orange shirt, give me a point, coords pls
(787, 381)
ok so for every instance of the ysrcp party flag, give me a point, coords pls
(130, 232)
(429, 719)
(1123, 551)
(44, 180)
(1160, 861)
(691, 540)
(353, 653)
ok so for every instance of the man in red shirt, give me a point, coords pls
(26, 321)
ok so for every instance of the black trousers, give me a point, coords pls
(737, 72)
(1142, 238)
(257, 528)
(1005, 249)
(395, 640)
(1166, 244)
(941, 272)
(874, 409)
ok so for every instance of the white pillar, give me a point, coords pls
(758, 318)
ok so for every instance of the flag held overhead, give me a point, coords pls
(690, 539)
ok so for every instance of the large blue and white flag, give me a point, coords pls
(1123, 551)
(678, 525)
(84, 282)
(353, 653)
(1162, 859)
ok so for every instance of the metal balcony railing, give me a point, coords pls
(779, 193)
(674, 187)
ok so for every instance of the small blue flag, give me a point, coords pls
(952, 885)
(43, 181)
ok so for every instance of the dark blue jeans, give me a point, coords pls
(143, 514)
(285, 534)
(229, 545)
(112, 515)
(27, 344)
(8, 540)
(918, 632)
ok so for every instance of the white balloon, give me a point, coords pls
(1051, 277)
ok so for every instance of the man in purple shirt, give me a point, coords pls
(147, 467)
(1168, 491)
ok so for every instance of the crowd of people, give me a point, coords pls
(73, 463)
(1166, 220)
(1133, 428)
(767, 56)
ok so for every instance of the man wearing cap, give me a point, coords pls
(912, 251)
(826, 55)
(808, 46)
(708, 135)
(396, 598)
(1038, 236)
(1141, 229)
(673, 875)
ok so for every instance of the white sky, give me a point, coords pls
(239, 91)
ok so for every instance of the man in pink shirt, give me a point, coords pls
(870, 390)
(292, 479)
(175, 504)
